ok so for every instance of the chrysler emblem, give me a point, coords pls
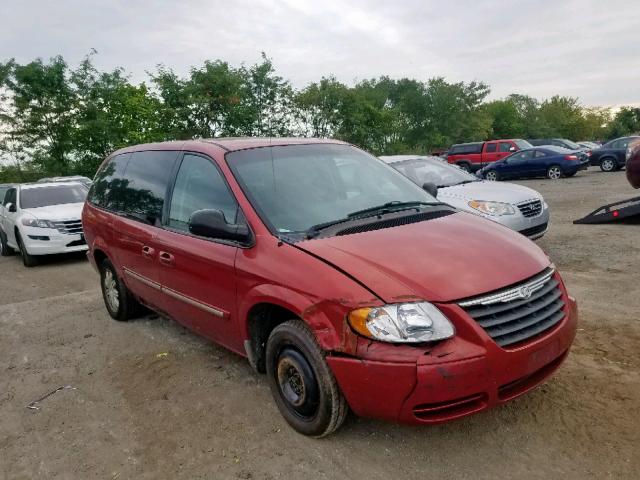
(525, 292)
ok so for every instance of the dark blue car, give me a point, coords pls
(548, 161)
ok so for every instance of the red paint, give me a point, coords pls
(633, 165)
(441, 261)
(492, 151)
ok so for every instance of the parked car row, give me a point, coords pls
(478, 156)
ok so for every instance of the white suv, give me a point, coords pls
(42, 219)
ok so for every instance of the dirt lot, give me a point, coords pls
(152, 400)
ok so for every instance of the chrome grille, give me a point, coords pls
(530, 209)
(71, 227)
(521, 312)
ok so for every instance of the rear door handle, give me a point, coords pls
(148, 252)
(166, 259)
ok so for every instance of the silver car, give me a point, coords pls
(520, 208)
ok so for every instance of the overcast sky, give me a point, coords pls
(589, 49)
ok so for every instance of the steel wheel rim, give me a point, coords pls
(607, 165)
(111, 291)
(297, 384)
(554, 173)
(491, 176)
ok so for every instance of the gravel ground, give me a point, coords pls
(152, 400)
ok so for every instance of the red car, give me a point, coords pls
(342, 280)
(633, 164)
(476, 155)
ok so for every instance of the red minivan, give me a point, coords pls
(343, 281)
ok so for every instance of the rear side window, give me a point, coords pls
(199, 186)
(107, 182)
(142, 192)
(10, 197)
(540, 154)
(491, 147)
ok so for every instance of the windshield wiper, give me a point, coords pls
(465, 182)
(394, 206)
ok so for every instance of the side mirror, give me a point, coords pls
(512, 148)
(212, 224)
(11, 207)
(430, 188)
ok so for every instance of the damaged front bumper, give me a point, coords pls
(453, 379)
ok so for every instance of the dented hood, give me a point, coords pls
(439, 260)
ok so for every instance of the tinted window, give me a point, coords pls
(54, 195)
(10, 196)
(505, 146)
(540, 153)
(107, 181)
(3, 192)
(199, 186)
(492, 147)
(521, 157)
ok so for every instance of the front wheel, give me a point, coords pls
(554, 172)
(608, 165)
(28, 260)
(302, 384)
(5, 249)
(492, 176)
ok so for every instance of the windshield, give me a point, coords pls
(441, 174)
(572, 145)
(522, 144)
(53, 195)
(296, 187)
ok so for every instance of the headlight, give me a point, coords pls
(34, 222)
(492, 208)
(402, 323)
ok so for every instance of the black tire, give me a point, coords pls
(28, 260)
(554, 172)
(5, 250)
(302, 384)
(126, 306)
(608, 164)
(464, 166)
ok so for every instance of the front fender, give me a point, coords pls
(325, 317)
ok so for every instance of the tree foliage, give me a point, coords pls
(57, 120)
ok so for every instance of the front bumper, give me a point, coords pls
(531, 227)
(48, 241)
(455, 379)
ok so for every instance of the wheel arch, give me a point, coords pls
(267, 306)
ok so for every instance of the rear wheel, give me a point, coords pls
(28, 260)
(608, 164)
(302, 384)
(492, 176)
(5, 249)
(464, 166)
(117, 298)
(554, 172)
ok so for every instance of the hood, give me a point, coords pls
(440, 260)
(68, 211)
(490, 191)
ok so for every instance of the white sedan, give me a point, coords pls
(520, 208)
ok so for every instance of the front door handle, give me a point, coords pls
(148, 252)
(166, 259)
